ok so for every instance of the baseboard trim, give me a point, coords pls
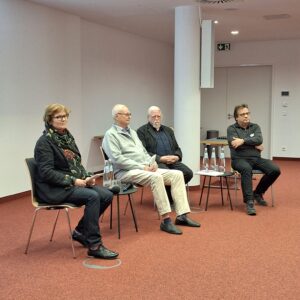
(15, 196)
(285, 158)
(194, 187)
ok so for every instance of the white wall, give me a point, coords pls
(120, 67)
(49, 56)
(39, 64)
(284, 56)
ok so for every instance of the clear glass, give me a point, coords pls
(205, 161)
(106, 175)
(222, 163)
(213, 162)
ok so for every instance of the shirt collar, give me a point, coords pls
(121, 129)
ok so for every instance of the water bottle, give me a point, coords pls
(205, 161)
(213, 162)
(222, 164)
(111, 172)
(106, 179)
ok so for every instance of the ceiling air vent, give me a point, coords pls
(276, 17)
(214, 1)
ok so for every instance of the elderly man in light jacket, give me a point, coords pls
(133, 164)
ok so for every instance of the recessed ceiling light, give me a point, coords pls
(234, 32)
(216, 22)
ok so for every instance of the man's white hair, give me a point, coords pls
(117, 108)
(152, 108)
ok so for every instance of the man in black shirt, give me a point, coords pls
(245, 142)
(160, 140)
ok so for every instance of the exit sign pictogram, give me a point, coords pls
(223, 46)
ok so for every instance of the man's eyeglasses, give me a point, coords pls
(61, 117)
(156, 117)
(125, 114)
(245, 114)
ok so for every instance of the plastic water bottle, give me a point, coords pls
(222, 163)
(213, 162)
(111, 172)
(106, 179)
(205, 161)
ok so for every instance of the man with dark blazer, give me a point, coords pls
(160, 140)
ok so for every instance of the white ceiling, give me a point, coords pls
(155, 18)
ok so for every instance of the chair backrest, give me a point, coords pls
(32, 167)
(104, 155)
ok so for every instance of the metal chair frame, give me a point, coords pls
(31, 164)
(129, 193)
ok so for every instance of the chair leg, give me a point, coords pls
(142, 195)
(235, 187)
(31, 229)
(111, 212)
(272, 195)
(54, 226)
(118, 209)
(125, 210)
(70, 230)
(228, 193)
(221, 185)
(203, 186)
(133, 213)
(207, 196)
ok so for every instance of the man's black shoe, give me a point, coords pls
(250, 208)
(260, 200)
(102, 252)
(170, 228)
(80, 238)
(185, 221)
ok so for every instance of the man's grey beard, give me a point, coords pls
(156, 125)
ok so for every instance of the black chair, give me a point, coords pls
(129, 193)
(31, 164)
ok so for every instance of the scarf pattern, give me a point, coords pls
(66, 143)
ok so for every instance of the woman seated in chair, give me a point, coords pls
(61, 178)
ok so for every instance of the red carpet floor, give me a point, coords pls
(232, 256)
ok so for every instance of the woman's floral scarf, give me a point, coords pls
(67, 144)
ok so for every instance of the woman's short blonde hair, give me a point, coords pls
(53, 109)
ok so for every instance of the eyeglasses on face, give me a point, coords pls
(125, 114)
(245, 114)
(61, 117)
(156, 117)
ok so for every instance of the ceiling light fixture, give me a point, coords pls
(234, 32)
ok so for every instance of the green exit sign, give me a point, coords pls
(223, 46)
